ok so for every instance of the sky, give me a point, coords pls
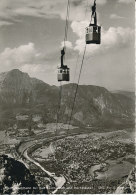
(32, 34)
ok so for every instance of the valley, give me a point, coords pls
(87, 159)
(83, 159)
(76, 156)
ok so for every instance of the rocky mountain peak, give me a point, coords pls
(14, 78)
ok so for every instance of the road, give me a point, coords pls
(59, 181)
(23, 150)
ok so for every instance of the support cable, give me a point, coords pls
(66, 24)
(76, 90)
(76, 66)
(65, 39)
(58, 111)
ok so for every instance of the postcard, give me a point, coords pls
(67, 97)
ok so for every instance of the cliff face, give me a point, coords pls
(15, 178)
(13, 86)
(128, 187)
(94, 105)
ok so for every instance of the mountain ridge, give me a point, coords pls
(94, 105)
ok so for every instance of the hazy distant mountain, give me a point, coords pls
(21, 94)
(129, 94)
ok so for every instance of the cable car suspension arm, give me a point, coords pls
(94, 15)
(62, 55)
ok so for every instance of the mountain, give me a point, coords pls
(94, 105)
(129, 94)
(15, 178)
(17, 87)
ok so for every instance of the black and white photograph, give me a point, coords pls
(67, 97)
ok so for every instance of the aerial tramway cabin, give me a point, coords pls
(93, 31)
(63, 73)
(63, 70)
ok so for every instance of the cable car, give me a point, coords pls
(93, 31)
(63, 73)
(63, 70)
(93, 34)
